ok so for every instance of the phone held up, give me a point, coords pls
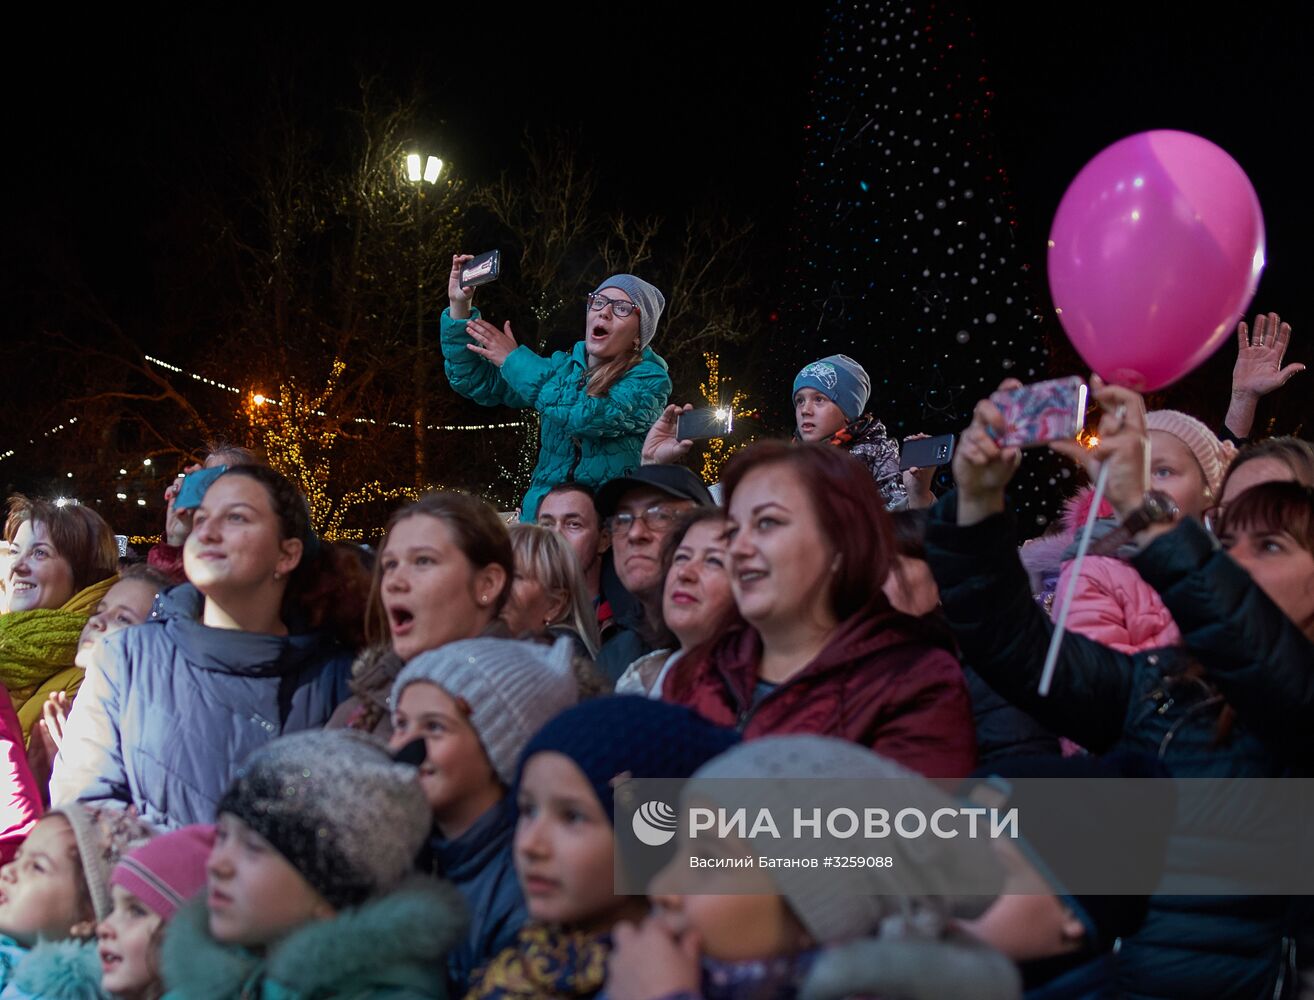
(485, 268)
(1041, 412)
(701, 425)
(925, 453)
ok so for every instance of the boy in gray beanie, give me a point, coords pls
(475, 704)
(785, 931)
(830, 402)
(310, 884)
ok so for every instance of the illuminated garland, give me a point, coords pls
(717, 450)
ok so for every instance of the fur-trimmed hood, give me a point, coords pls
(58, 970)
(904, 968)
(396, 944)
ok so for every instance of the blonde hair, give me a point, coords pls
(547, 558)
(602, 378)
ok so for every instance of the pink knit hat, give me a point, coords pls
(167, 871)
(1213, 455)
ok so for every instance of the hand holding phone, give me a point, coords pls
(926, 452)
(701, 425)
(481, 270)
(1041, 412)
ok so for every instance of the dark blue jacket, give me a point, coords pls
(479, 864)
(1197, 946)
(171, 707)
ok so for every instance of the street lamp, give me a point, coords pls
(420, 171)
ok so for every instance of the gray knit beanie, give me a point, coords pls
(103, 835)
(841, 380)
(337, 807)
(915, 895)
(510, 689)
(646, 296)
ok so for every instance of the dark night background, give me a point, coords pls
(121, 133)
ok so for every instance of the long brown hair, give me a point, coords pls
(478, 532)
(602, 378)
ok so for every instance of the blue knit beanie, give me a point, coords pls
(629, 736)
(647, 297)
(841, 380)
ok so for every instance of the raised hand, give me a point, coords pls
(1258, 369)
(490, 342)
(661, 446)
(177, 523)
(54, 714)
(459, 296)
(982, 469)
(918, 481)
(1124, 446)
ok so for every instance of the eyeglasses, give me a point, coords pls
(656, 519)
(620, 307)
(1213, 517)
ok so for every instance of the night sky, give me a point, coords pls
(115, 127)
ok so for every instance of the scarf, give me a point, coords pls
(545, 962)
(36, 645)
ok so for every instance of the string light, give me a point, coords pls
(717, 451)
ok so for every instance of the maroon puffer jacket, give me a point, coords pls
(877, 683)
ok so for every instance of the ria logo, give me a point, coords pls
(654, 823)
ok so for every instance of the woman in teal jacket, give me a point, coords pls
(596, 402)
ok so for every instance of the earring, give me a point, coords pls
(278, 575)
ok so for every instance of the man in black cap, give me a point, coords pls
(639, 510)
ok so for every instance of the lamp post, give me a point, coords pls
(420, 171)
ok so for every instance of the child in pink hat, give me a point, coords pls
(148, 886)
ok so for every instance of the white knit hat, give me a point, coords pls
(512, 688)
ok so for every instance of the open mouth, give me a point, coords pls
(21, 586)
(400, 620)
(109, 960)
(752, 576)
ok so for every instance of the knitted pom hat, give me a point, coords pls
(337, 807)
(646, 296)
(1213, 455)
(629, 736)
(168, 870)
(103, 834)
(508, 688)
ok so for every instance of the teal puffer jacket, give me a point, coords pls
(584, 439)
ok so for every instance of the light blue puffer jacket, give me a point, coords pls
(171, 707)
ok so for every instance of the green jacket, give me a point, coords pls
(390, 948)
(584, 439)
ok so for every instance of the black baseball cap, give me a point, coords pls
(675, 480)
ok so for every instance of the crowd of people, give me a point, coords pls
(260, 763)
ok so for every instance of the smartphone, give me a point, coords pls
(927, 452)
(485, 268)
(194, 485)
(698, 425)
(1041, 412)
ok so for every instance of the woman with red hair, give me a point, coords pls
(823, 652)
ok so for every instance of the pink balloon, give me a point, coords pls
(1155, 253)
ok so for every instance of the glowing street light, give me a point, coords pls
(420, 171)
(428, 172)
